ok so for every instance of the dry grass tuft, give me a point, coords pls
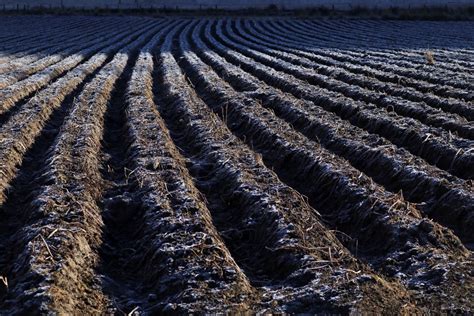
(429, 57)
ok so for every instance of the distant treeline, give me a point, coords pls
(381, 9)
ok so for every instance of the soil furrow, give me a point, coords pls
(168, 237)
(241, 191)
(388, 49)
(18, 103)
(436, 147)
(431, 77)
(10, 95)
(447, 69)
(374, 53)
(385, 75)
(416, 110)
(55, 55)
(446, 104)
(23, 191)
(19, 132)
(443, 197)
(59, 250)
(367, 214)
(235, 165)
(53, 48)
(30, 50)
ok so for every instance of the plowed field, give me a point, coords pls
(175, 165)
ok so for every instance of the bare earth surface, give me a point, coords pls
(235, 165)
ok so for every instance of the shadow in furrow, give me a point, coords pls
(248, 236)
(121, 209)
